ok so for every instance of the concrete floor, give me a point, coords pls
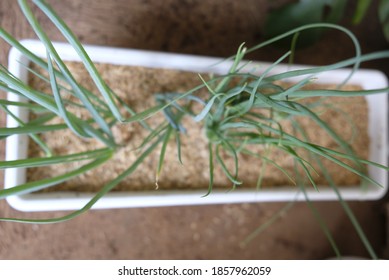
(196, 232)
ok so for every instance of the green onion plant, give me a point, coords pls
(241, 111)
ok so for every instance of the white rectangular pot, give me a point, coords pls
(16, 146)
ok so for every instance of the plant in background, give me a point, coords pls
(240, 112)
(302, 12)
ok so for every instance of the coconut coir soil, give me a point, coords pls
(136, 86)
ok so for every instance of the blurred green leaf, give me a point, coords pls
(300, 13)
(383, 14)
(360, 11)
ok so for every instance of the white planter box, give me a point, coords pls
(16, 146)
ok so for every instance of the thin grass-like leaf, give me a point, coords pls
(209, 88)
(343, 144)
(206, 109)
(262, 172)
(34, 137)
(108, 187)
(130, 110)
(35, 59)
(30, 129)
(162, 153)
(224, 106)
(20, 88)
(303, 163)
(238, 58)
(357, 60)
(220, 160)
(274, 218)
(58, 100)
(315, 150)
(346, 156)
(41, 119)
(275, 164)
(258, 83)
(343, 203)
(69, 35)
(36, 129)
(100, 105)
(290, 91)
(331, 93)
(146, 113)
(55, 159)
(47, 102)
(350, 215)
(153, 134)
(45, 183)
(319, 219)
(211, 169)
(61, 65)
(32, 107)
(322, 69)
(178, 144)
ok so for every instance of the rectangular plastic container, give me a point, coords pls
(16, 146)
